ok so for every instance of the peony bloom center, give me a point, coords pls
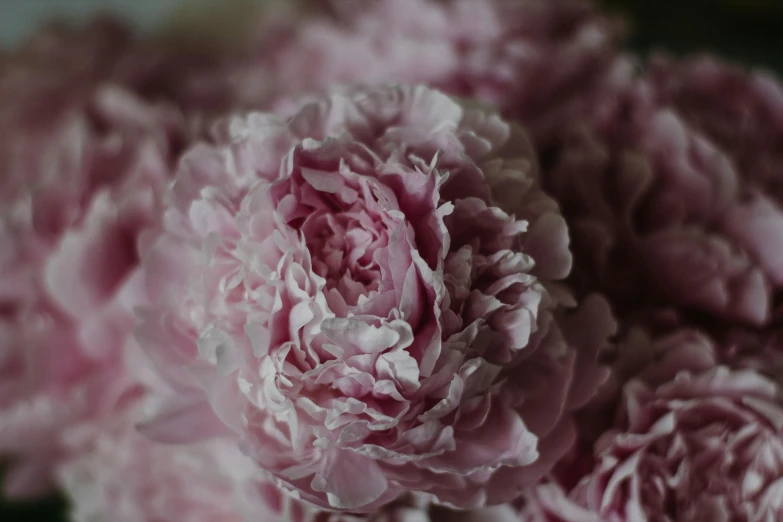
(345, 230)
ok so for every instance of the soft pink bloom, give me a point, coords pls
(742, 113)
(705, 446)
(82, 168)
(647, 198)
(343, 293)
(55, 72)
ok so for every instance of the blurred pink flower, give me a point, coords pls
(341, 293)
(740, 110)
(657, 359)
(647, 198)
(114, 473)
(538, 61)
(705, 446)
(82, 172)
(63, 63)
(404, 41)
(742, 113)
(544, 63)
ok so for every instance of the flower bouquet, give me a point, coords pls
(389, 261)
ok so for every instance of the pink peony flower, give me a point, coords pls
(343, 294)
(705, 446)
(637, 355)
(743, 114)
(78, 186)
(51, 74)
(647, 197)
(656, 359)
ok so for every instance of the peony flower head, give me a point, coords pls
(365, 297)
(78, 187)
(647, 197)
(741, 112)
(655, 359)
(703, 446)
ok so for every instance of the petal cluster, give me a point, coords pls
(741, 112)
(648, 199)
(700, 447)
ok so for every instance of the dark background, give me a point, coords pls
(746, 31)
